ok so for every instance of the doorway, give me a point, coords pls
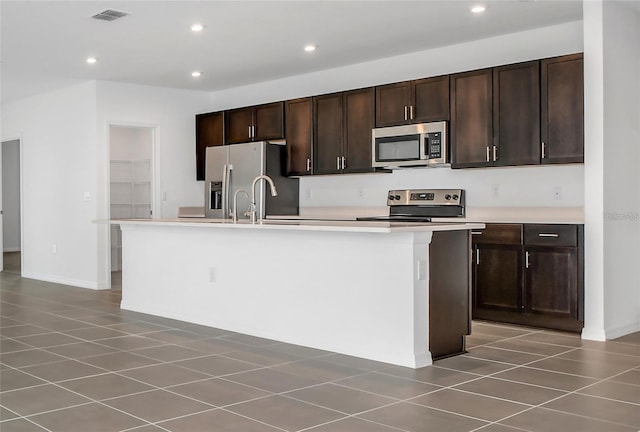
(10, 220)
(131, 175)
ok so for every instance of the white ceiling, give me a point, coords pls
(45, 43)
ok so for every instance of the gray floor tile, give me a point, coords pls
(105, 386)
(319, 369)
(6, 414)
(272, 380)
(129, 342)
(216, 365)
(356, 362)
(432, 375)
(157, 405)
(530, 347)
(80, 350)
(224, 421)
(509, 390)
(285, 413)
(351, 424)
(261, 356)
(545, 378)
(502, 330)
(603, 409)
(340, 398)
(20, 425)
(164, 375)
(602, 357)
(47, 340)
(93, 417)
(169, 353)
(13, 379)
(30, 357)
(585, 369)
(22, 330)
(387, 385)
(95, 333)
(631, 377)
(10, 345)
(417, 418)
(137, 327)
(540, 419)
(119, 361)
(615, 390)
(64, 370)
(219, 392)
(503, 355)
(39, 399)
(472, 365)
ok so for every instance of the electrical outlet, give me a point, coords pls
(360, 192)
(556, 192)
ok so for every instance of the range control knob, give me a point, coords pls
(447, 197)
(455, 197)
(391, 197)
(397, 197)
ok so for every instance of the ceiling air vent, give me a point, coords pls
(109, 15)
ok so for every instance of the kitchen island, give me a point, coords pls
(391, 292)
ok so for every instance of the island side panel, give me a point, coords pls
(361, 294)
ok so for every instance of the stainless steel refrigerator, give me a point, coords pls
(233, 167)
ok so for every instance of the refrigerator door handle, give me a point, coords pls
(226, 179)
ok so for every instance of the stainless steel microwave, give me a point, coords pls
(422, 144)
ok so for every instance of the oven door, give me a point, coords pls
(402, 150)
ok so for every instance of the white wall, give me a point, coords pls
(58, 132)
(172, 113)
(130, 143)
(522, 186)
(11, 195)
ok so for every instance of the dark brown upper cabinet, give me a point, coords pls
(516, 115)
(209, 133)
(471, 127)
(342, 131)
(416, 101)
(562, 97)
(256, 123)
(299, 136)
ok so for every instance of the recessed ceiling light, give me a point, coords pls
(197, 27)
(92, 60)
(478, 9)
(310, 48)
(196, 74)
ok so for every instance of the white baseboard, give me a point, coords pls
(593, 334)
(616, 332)
(12, 249)
(60, 280)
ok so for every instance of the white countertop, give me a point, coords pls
(305, 225)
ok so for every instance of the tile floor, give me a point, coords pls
(71, 360)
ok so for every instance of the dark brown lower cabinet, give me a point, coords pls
(529, 274)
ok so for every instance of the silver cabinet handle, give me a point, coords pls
(249, 132)
(477, 256)
(476, 232)
(344, 162)
(405, 112)
(337, 162)
(495, 156)
(554, 235)
(253, 132)
(308, 164)
(411, 112)
(544, 150)
(526, 259)
(488, 159)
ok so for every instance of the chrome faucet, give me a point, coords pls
(253, 210)
(235, 203)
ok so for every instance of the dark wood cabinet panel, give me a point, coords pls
(359, 112)
(562, 100)
(552, 281)
(256, 123)
(537, 282)
(498, 277)
(431, 99)
(328, 133)
(238, 125)
(416, 101)
(516, 114)
(269, 122)
(471, 128)
(392, 104)
(209, 133)
(299, 135)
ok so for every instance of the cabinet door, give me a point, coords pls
(209, 133)
(299, 135)
(497, 283)
(238, 125)
(562, 80)
(516, 114)
(328, 133)
(269, 121)
(392, 104)
(552, 281)
(471, 126)
(431, 99)
(359, 119)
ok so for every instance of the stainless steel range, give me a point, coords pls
(420, 205)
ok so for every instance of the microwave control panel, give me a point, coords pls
(433, 145)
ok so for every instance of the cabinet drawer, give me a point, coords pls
(551, 235)
(506, 234)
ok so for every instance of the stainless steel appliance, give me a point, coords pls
(422, 144)
(233, 167)
(420, 205)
